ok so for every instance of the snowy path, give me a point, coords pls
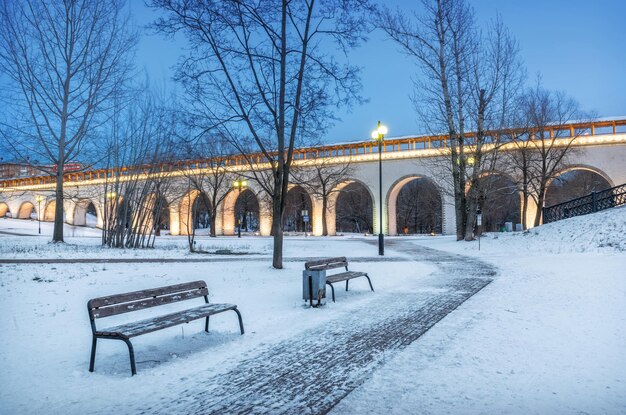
(312, 373)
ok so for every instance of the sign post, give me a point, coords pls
(305, 219)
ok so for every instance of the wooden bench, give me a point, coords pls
(332, 263)
(138, 300)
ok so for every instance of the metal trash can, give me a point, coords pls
(314, 282)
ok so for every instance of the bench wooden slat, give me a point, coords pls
(343, 276)
(139, 295)
(326, 263)
(112, 310)
(168, 320)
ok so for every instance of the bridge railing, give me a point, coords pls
(426, 142)
(594, 202)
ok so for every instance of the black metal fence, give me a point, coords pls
(594, 202)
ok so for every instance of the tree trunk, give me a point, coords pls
(540, 199)
(212, 233)
(471, 219)
(459, 208)
(524, 208)
(525, 195)
(324, 216)
(57, 234)
(277, 232)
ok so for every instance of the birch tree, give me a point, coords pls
(548, 147)
(468, 80)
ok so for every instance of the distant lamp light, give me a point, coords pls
(240, 184)
(379, 133)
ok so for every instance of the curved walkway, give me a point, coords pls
(313, 372)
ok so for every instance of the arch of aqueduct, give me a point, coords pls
(602, 147)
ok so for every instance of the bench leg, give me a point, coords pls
(206, 324)
(131, 352)
(240, 320)
(332, 290)
(93, 353)
(370, 281)
(347, 284)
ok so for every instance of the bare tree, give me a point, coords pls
(140, 151)
(210, 179)
(549, 146)
(66, 60)
(518, 161)
(263, 70)
(321, 178)
(468, 82)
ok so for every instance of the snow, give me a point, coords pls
(85, 242)
(602, 232)
(546, 336)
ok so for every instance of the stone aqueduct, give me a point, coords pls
(603, 145)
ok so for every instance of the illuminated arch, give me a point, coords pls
(333, 201)
(49, 211)
(25, 210)
(582, 181)
(292, 218)
(509, 206)
(79, 215)
(584, 167)
(392, 199)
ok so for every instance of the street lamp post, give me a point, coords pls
(39, 200)
(379, 135)
(239, 185)
(479, 222)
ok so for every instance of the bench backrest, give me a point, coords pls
(327, 263)
(138, 300)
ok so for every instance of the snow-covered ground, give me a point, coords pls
(85, 242)
(547, 336)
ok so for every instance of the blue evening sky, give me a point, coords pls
(578, 46)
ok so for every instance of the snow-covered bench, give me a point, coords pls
(332, 263)
(139, 300)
